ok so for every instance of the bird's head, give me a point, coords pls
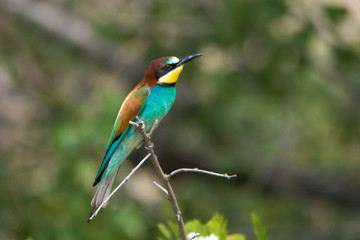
(166, 70)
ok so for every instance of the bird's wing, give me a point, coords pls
(132, 106)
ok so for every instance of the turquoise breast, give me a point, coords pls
(157, 106)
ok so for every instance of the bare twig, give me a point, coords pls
(119, 186)
(140, 127)
(195, 235)
(225, 175)
(161, 188)
(153, 128)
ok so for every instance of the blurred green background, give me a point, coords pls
(274, 99)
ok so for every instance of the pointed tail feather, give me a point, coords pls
(91, 213)
(102, 192)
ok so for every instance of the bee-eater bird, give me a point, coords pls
(151, 100)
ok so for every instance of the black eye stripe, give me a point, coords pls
(161, 72)
(172, 65)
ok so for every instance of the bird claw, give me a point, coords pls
(149, 147)
(141, 125)
(153, 127)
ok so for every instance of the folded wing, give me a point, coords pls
(132, 106)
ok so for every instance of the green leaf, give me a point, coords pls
(195, 226)
(236, 236)
(164, 230)
(260, 231)
(217, 226)
(174, 228)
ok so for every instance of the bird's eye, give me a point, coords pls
(167, 67)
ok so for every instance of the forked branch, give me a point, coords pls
(140, 126)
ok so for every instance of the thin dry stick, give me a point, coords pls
(119, 186)
(194, 236)
(225, 175)
(161, 188)
(140, 127)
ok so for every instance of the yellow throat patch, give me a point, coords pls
(171, 77)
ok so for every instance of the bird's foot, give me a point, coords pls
(151, 147)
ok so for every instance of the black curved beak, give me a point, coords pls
(187, 59)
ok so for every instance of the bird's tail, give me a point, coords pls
(102, 192)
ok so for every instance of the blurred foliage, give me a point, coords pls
(259, 230)
(274, 99)
(215, 228)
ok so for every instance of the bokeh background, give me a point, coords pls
(275, 99)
